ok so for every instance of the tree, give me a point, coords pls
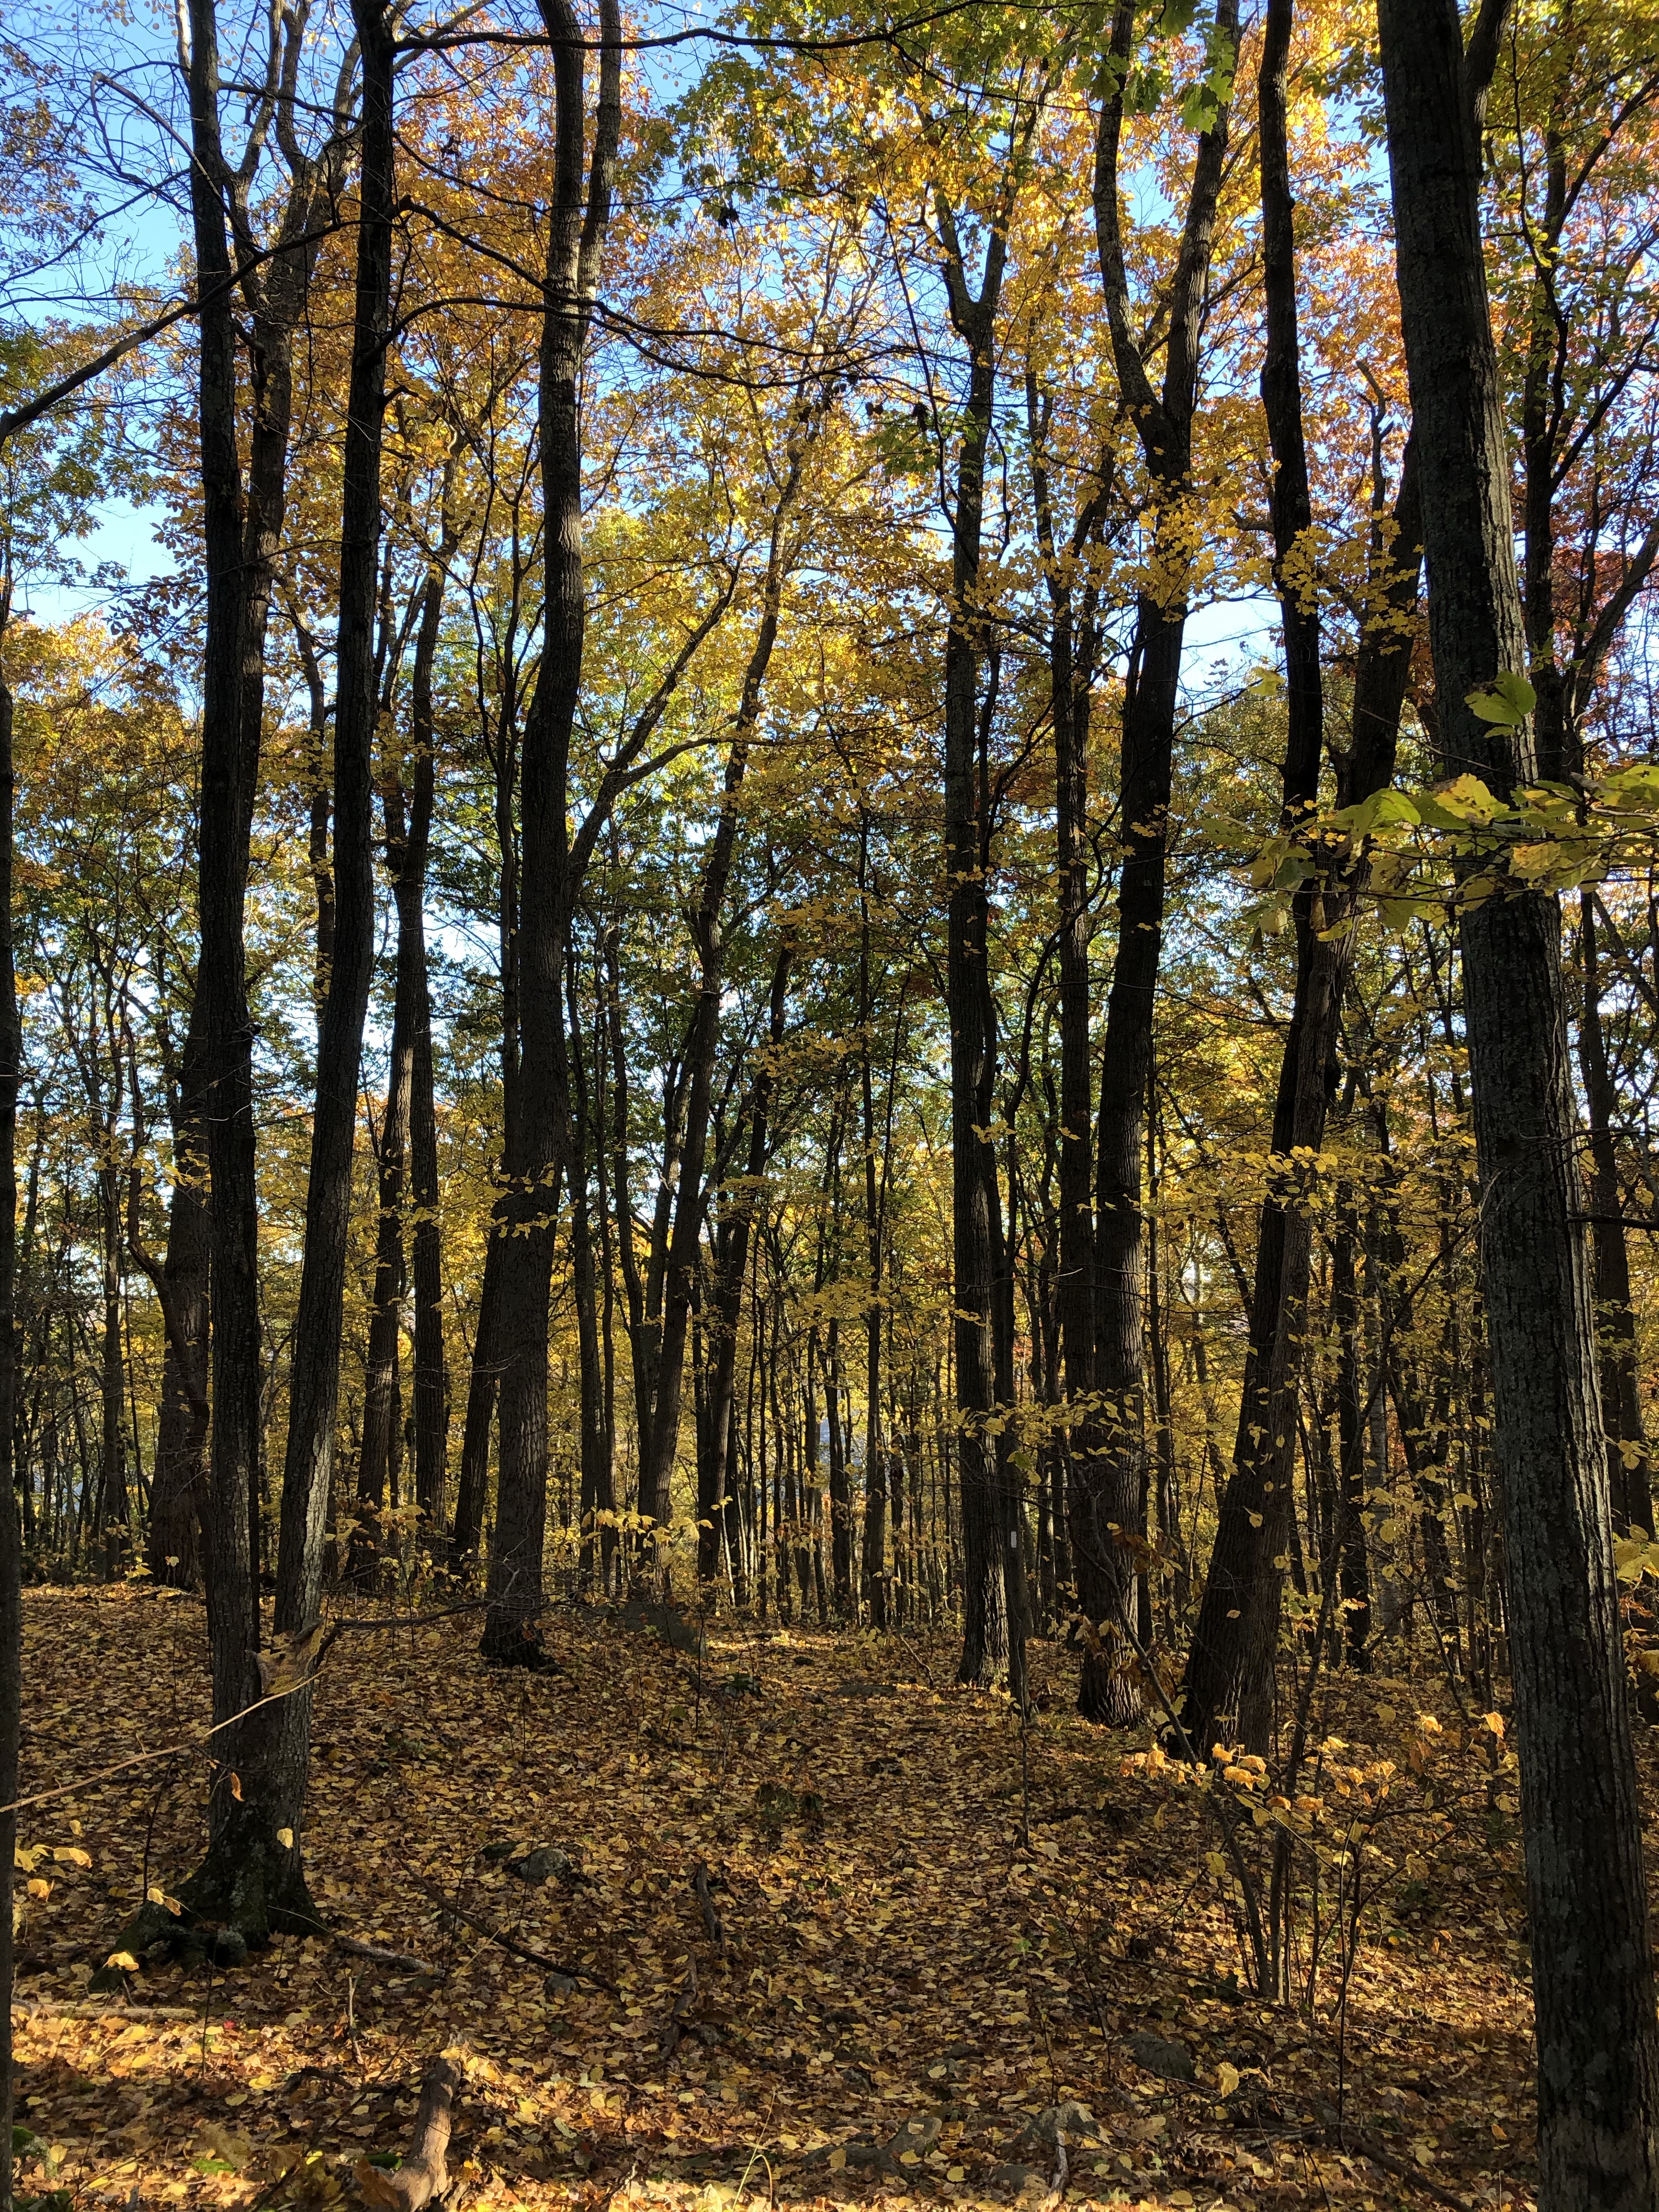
(1108, 1468)
(1598, 2042)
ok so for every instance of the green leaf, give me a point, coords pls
(1508, 703)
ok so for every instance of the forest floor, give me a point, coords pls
(941, 1930)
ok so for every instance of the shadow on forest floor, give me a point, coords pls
(915, 1981)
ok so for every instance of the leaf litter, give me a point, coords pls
(788, 1918)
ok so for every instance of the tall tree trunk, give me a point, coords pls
(484, 1379)
(1071, 650)
(430, 1374)
(229, 769)
(1110, 1467)
(731, 1273)
(113, 1509)
(598, 1497)
(380, 1453)
(253, 1878)
(878, 1162)
(993, 1608)
(538, 1147)
(1630, 1468)
(174, 1547)
(1229, 1684)
(245, 1879)
(1593, 1982)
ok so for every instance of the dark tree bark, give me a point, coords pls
(1630, 1468)
(173, 1545)
(1353, 1572)
(1598, 2045)
(379, 1456)
(538, 1143)
(220, 1015)
(430, 1376)
(1109, 1469)
(1073, 650)
(319, 803)
(255, 1886)
(252, 1878)
(483, 1377)
(993, 1595)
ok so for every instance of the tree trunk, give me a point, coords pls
(1110, 1471)
(731, 1273)
(994, 1608)
(538, 1146)
(174, 1549)
(597, 1490)
(252, 1878)
(1598, 2046)
(226, 1031)
(1630, 1469)
(380, 1453)
(430, 1374)
(1229, 1683)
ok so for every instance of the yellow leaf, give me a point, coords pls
(124, 1959)
(1227, 2079)
(71, 1855)
(285, 1838)
(39, 1888)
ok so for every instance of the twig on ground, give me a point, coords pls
(519, 1950)
(406, 1961)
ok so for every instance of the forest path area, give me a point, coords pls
(939, 1931)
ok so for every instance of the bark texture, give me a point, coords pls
(1598, 2049)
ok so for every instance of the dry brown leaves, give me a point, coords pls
(926, 1915)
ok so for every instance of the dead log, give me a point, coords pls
(424, 2177)
(404, 1961)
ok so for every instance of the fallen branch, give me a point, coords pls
(711, 1918)
(404, 1961)
(424, 2177)
(519, 1950)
